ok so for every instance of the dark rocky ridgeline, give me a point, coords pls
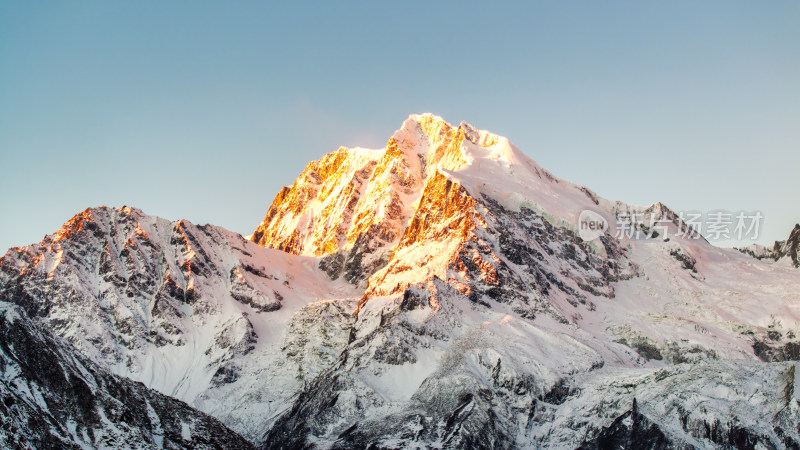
(780, 249)
(631, 430)
(793, 244)
(634, 430)
(788, 248)
(770, 350)
(464, 420)
(52, 397)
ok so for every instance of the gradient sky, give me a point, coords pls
(203, 110)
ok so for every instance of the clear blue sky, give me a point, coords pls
(203, 110)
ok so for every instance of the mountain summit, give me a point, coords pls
(364, 211)
(444, 291)
(354, 204)
(353, 200)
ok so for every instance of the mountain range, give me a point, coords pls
(435, 293)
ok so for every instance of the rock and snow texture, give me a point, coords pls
(195, 312)
(486, 312)
(53, 397)
(512, 384)
(434, 293)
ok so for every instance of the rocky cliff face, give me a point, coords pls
(435, 293)
(782, 250)
(53, 397)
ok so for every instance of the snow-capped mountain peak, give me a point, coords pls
(435, 293)
(354, 205)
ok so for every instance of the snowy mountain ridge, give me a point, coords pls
(178, 307)
(433, 293)
(783, 252)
